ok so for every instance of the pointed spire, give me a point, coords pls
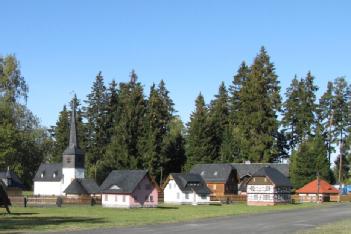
(73, 140)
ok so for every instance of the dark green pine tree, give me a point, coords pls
(257, 118)
(232, 147)
(218, 118)
(123, 151)
(325, 118)
(291, 109)
(60, 133)
(96, 115)
(174, 148)
(310, 159)
(113, 112)
(198, 141)
(235, 89)
(308, 105)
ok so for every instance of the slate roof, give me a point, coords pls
(73, 147)
(312, 187)
(249, 169)
(213, 172)
(15, 181)
(82, 187)
(123, 181)
(188, 182)
(48, 170)
(274, 175)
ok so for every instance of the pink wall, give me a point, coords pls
(142, 193)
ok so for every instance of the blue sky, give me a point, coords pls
(192, 45)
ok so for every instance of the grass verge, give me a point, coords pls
(340, 227)
(86, 217)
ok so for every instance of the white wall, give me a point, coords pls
(69, 174)
(115, 200)
(172, 194)
(47, 188)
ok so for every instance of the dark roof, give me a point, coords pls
(249, 169)
(188, 182)
(73, 147)
(274, 175)
(82, 186)
(15, 181)
(213, 172)
(49, 172)
(123, 181)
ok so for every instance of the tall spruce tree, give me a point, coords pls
(96, 115)
(113, 111)
(60, 133)
(218, 118)
(123, 151)
(198, 141)
(260, 102)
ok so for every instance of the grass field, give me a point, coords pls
(86, 217)
(340, 227)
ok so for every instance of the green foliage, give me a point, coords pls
(308, 160)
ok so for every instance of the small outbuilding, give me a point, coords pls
(186, 188)
(316, 188)
(82, 188)
(12, 184)
(129, 189)
(268, 186)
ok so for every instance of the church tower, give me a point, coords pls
(73, 156)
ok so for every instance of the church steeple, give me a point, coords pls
(73, 156)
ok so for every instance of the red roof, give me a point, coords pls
(324, 187)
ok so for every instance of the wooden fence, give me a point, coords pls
(34, 201)
(228, 198)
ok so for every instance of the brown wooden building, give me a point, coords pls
(221, 179)
(268, 186)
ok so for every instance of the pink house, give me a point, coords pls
(129, 189)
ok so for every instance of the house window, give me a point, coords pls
(267, 188)
(265, 179)
(106, 197)
(255, 197)
(214, 187)
(203, 197)
(124, 198)
(116, 198)
(151, 198)
(187, 196)
(178, 196)
(170, 185)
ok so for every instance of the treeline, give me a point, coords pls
(121, 127)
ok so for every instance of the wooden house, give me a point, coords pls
(186, 188)
(268, 186)
(221, 179)
(316, 188)
(129, 189)
(11, 183)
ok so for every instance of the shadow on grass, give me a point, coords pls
(19, 222)
(168, 208)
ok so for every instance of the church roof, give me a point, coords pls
(73, 147)
(82, 187)
(49, 172)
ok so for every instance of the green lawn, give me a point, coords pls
(86, 217)
(340, 227)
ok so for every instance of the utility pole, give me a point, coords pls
(318, 186)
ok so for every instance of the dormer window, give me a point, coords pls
(215, 173)
(114, 187)
(42, 175)
(202, 173)
(54, 175)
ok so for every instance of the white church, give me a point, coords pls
(54, 178)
